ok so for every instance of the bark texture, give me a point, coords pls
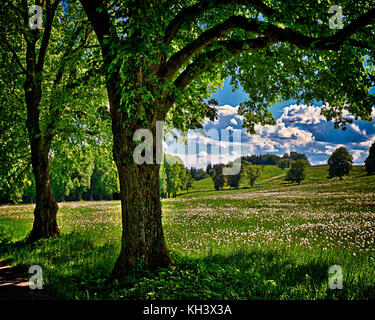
(142, 234)
(45, 224)
(45, 212)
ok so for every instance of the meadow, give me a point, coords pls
(273, 241)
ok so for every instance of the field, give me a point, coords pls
(275, 241)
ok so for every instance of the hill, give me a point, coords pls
(273, 177)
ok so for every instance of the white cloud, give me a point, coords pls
(329, 148)
(368, 143)
(304, 114)
(233, 121)
(285, 136)
(373, 113)
(356, 128)
(357, 154)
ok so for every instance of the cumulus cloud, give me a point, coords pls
(282, 132)
(304, 114)
(233, 121)
(357, 154)
(356, 128)
(367, 143)
(296, 130)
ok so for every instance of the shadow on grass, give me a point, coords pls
(251, 275)
(74, 268)
(68, 262)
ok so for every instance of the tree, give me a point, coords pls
(163, 181)
(297, 172)
(173, 178)
(219, 178)
(370, 160)
(186, 180)
(182, 177)
(15, 164)
(162, 59)
(284, 163)
(62, 167)
(209, 168)
(189, 181)
(297, 156)
(169, 178)
(261, 159)
(200, 174)
(81, 176)
(29, 194)
(81, 163)
(193, 172)
(250, 173)
(340, 163)
(39, 61)
(104, 178)
(234, 180)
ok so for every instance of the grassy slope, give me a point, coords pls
(275, 241)
(272, 177)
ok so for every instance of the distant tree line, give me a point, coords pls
(174, 177)
(87, 172)
(272, 159)
(198, 174)
(80, 172)
(248, 174)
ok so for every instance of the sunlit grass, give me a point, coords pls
(275, 241)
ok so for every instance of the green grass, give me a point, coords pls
(204, 184)
(275, 241)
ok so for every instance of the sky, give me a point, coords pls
(298, 128)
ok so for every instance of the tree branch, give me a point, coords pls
(177, 60)
(68, 51)
(55, 115)
(228, 49)
(100, 21)
(188, 14)
(14, 53)
(265, 29)
(51, 10)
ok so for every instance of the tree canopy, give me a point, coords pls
(370, 160)
(297, 171)
(340, 163)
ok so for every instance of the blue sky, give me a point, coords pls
(299, 128)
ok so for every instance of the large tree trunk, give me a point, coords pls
(45, 224)
(142, 236)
